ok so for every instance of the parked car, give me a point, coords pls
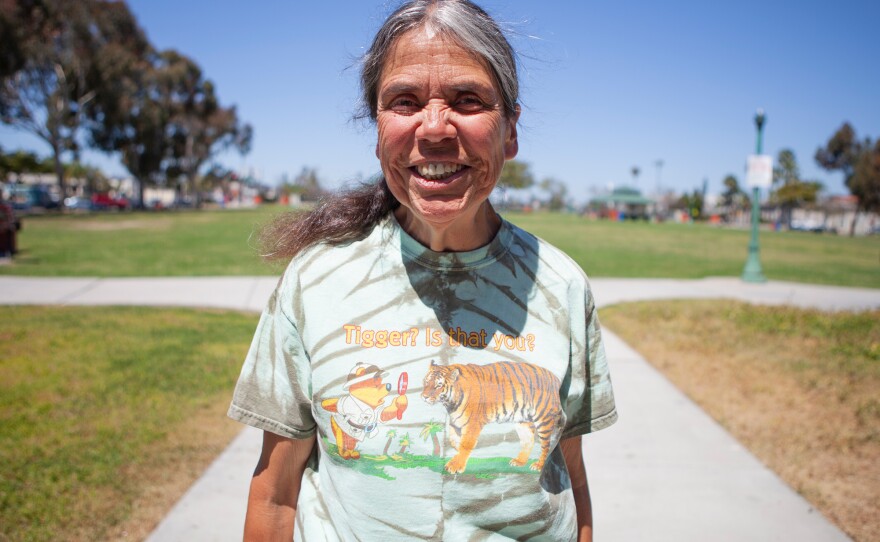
(78, 203)
(106, 201)
(814, 226)
(184, 202)
(25, 198)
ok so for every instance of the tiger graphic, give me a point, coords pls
(504, 391)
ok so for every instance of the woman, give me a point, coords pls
(425, 369)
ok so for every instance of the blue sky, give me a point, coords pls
(606, 85)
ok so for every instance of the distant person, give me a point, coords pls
(425, 369)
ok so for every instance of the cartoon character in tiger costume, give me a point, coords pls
(504, 391)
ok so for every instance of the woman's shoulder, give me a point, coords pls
(546, 259)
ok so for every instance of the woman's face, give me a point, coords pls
(443, 134)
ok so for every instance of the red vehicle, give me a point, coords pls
(106, 201)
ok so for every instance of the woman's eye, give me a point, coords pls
(469, 104)
(404, 105)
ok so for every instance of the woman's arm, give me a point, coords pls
(275, 488)
(574, 460)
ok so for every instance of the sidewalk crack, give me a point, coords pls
(84, 290)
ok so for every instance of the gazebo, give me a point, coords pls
(623, 203)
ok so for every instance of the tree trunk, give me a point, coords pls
(141, 185)
(402, 449)
(852, 226)
(387, 445)
(197, 194)
(59, 170)
(436, 444)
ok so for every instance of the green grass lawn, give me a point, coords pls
(219, 243)
(199, 243)
(102, 410)
(639, 249)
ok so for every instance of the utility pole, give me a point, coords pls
(752, 271)
(659, 164)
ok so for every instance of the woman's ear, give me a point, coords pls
(511, 145)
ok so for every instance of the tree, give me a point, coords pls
(23, 162)
(135, 117)
(50, 69)
(865, 181)
(841, 152)
(95, 179)
(858, 162)
(556, 193)
(132, 117)
(789, 191)
(430, 429)
(306, 183)
(217, 176)
(733, 195)
(404, 443)
(390, 434)
(516, 174)
(635, 173)
(692, 203)
(786, 170)
(200, 127)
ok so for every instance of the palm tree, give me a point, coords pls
(404, 442)
(431, 429)
(390, 434)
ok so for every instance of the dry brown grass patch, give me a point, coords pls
(159, 224)
(799, 388)
(174, 467)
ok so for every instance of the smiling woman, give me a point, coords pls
(443, 139)
(418, 275)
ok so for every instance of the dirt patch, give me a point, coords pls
(161, 224)
(148, 222)
(801, 389)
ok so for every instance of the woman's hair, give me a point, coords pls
(351, 214)
(461, 21)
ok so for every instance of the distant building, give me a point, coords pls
(623, 203)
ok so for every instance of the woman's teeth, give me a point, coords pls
(435, 172)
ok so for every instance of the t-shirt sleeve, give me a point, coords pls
(589, 404)
(273, 392)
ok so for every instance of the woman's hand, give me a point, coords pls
(275, 487)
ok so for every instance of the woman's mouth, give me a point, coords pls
(437, 171)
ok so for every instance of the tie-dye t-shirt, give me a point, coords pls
(439, 385)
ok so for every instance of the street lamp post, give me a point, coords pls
(752, 271)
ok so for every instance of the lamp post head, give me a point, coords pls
(759, 118)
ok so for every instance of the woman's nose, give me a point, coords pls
(435, 125)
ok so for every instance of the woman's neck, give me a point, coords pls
(466, 233)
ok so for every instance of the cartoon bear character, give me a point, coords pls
(357, 415)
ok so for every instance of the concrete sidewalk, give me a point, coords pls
(665, 471)
(251, 293)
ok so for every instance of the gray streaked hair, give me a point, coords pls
(462, 21)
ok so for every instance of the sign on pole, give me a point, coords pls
(759, 173)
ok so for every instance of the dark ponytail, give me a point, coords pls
(343, 217)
